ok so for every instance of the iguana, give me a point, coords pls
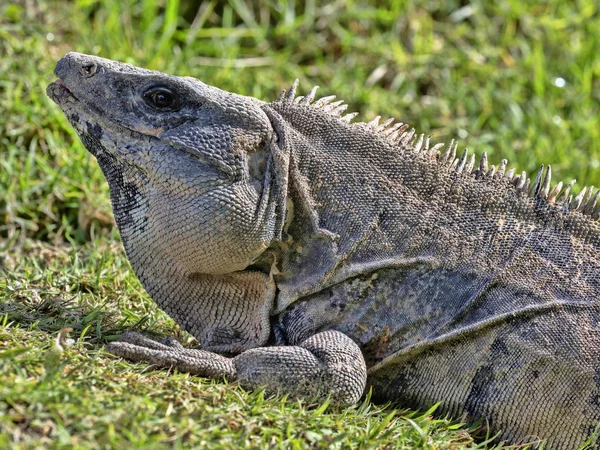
(316, 256)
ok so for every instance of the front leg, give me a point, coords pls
(328, 363)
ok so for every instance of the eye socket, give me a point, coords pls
(161, 98)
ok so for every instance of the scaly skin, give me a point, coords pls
(305, 250)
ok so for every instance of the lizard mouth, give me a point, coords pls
(60, 93)
(69, 103)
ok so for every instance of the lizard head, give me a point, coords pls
(189, 166)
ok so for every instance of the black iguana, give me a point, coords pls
(316, 256)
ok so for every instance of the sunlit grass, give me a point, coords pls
(517, 80)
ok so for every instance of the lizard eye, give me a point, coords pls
(160, 98)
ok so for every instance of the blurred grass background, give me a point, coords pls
(517, 79)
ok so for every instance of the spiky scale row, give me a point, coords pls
(373, 124)
(399, 133)
(325, 103)
(311, 96)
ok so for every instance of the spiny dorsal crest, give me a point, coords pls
(586, 202)
(325, 103)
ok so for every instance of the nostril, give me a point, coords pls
(88, 70)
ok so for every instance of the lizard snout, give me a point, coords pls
(74, 66)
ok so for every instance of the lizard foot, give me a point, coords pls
(171, 354)
(328, 363)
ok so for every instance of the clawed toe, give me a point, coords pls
(130, 351)
(141, 340)
(139, 348)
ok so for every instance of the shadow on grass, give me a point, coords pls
(52, 313)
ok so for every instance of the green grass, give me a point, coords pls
(517, 79)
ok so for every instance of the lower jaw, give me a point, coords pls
(60, 94)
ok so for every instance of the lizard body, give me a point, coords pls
(316, 256)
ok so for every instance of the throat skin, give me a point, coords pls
(165, 242)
